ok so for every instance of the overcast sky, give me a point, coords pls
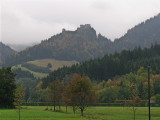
(30, 21)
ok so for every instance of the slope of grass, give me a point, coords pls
(43, 63)
(92, 113)
(55, 63)
(36, 74)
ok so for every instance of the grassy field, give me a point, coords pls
(43, 63)
(55, 63)
(92, 113)
(36, 74)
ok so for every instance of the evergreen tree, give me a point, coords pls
(7, 87)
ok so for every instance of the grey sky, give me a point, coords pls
(30, 21)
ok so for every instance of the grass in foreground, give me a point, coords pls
(92, 113)
(37, 114)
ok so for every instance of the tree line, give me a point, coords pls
(111, 65)
(120, 88)
(117, 90)
(78, 92)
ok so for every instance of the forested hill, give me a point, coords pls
(81, 44)
(5, 52)
(111, 65)
(143, 35)
(84, 43)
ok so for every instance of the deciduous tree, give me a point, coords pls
(18, 100)
(56, 93)
(80, 92)
(135, 100)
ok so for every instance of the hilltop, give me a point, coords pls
(79, 45)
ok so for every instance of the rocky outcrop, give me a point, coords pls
(79, 45)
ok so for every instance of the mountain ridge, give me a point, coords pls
(142, 35)
(5, 51)
(84, 43)
(79, 45)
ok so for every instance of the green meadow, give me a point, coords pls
(43, 63)
(92, 113)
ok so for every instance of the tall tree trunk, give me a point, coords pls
(74, 110)
(134, 114)
(54, 107)
(66, 108)
(81, 112)
(59, 107)
(19, 112)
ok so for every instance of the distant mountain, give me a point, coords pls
(84, 44)
(142, 35)
(81, 44)
(20, 47)
(5, 51)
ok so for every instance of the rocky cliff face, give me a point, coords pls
(79, 45)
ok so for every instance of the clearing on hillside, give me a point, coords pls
(55, 63)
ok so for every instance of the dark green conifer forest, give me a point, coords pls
(7, 88)
(111, 66)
